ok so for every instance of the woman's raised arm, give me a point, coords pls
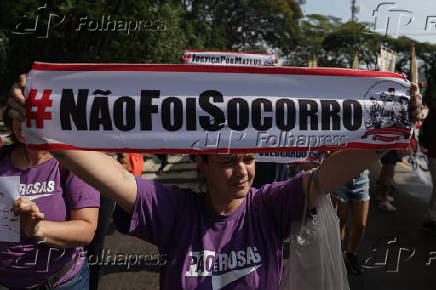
(97, 169)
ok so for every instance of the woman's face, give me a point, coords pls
(18, 132)
(228, 176)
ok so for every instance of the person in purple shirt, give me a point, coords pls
(58, 214)
(230, 236)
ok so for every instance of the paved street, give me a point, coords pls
(395, 248)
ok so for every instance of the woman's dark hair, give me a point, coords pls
(7, 149)
(201, 180)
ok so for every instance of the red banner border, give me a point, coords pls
(281, 70)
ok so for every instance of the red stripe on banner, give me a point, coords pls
(229, 52)
(354, 145)
(213, 69)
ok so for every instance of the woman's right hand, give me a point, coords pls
(30, 218)
(17, 100)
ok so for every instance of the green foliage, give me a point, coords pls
(244, 25)
(168, 27)
(314, 29)
(158, 39)
(334, 43)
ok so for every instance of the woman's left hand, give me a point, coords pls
(415, 103)
(30, 218)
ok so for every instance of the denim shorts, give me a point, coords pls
(79, 281)
(356, 190)
(391, 158)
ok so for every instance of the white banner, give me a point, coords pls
(387, 59)
(213, 109)
(229, 58)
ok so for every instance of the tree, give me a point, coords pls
(96, 31)
(245, 25)
(92, 31)
(314, 29)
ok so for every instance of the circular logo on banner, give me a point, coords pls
(387, 111)
(388, 106)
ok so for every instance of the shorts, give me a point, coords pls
(391, 158)
(357, 190)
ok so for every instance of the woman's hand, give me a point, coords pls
(30, 218)
(17, 100)
(95, 168)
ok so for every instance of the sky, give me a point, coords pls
(415, 19)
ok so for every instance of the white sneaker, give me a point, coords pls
(386, 206)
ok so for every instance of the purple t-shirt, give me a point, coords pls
(203, 250)
(27, 263)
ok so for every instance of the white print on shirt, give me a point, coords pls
(36, 190)
(208, 263)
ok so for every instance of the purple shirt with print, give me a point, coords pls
(203, 250)
(27, 263)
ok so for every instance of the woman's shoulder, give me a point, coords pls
(293, 183)
(156, 186)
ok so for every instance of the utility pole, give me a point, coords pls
(312, 60)
(355, 60)
(354, 10)
(413, 67)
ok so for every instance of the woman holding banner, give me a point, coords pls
(229, 237)
(58, 214)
